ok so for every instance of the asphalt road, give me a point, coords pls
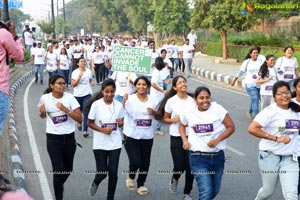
(241, 178)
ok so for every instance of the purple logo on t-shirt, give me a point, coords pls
(59, 119)
(292, 124)
(143, 122)
(203, 128)
(268, 87)
(288, 76)
(112, 125)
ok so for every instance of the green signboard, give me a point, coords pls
(131, 59)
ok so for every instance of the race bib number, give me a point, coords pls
(288, 76)
(268, 87)
(203, 128)
(143, 123)
(112, 125)
(292, 124)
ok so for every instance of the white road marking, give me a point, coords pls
(236, 151)
(35, 152)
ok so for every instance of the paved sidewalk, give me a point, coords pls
(209, 67)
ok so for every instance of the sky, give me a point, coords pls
(40, 9)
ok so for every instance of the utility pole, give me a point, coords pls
(5, 11)
(53, 20)
(64, 10)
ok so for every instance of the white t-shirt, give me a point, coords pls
(105, 115)
(251, 68)
(39, 56)
(175, 51)
(57, 121)
(169, 49)
(89, 51)
(176, 106)
(158, 80)
(204, 126)
(138, 124)
(279, 122)
(77, 48)
(28, 38)
(192, 38)
(83, 88)
(286, 68)
(98, 57)
(64, 62)
(70, 53)
(51, 59)
(185, 49)
(266, 87)
(121, 82)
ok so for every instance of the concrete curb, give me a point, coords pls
(214, 76)
(18, 173)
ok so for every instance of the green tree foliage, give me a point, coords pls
(171, 16)
(18, 17)
(221, 15)
(46, 27)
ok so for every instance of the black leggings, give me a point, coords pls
(61, 149)
(107, 163)
(98, 72)
(139, 154)
(181, 163)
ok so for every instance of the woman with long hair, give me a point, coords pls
(174, 103)
(250, 67)
(267, 76)
(278, 127)
(105, 115)
(61, 111)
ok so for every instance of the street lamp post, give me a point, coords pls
(53, 20)
(5, 11)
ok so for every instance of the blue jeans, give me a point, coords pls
(39, 69)
(82, 102)
(52, 73)
(4, 105)
(208, 171)
(274, 167)
(107, 163)
(253, 93)
(176, 63)
(65, 73)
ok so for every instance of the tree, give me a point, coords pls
(221, 15)
(171, 16)
(46, 27)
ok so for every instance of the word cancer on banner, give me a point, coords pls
(131, 59)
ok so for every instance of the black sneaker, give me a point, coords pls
(36, 78)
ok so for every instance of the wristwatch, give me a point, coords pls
(16, 37)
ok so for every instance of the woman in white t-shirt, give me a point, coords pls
(98, 62)
(296, 99)
(157, 91)
(251, 67)
(139, 132)
(64, 64)
(105, 116)
(174, 103)
(287, 66)
(267, 76)
(82, 80)
(278, 126)
(209, 125)
(61, 111)
(51, 61)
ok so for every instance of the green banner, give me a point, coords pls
(131, 59)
